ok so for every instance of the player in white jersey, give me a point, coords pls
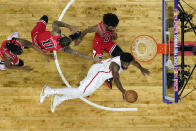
(96, 76)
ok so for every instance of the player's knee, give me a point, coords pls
(117, 51)
(44, 18)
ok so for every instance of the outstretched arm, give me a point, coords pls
(143, 70)
(8, 64)
(57, 24)
(76, 53)
(88, 30)
(115, 68)
(30, 45)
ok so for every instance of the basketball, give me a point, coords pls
(131, 96)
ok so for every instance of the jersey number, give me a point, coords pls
(47, 44)
(107, 37)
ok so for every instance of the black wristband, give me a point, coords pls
(76, 35)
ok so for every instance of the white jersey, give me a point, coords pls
(97, 74)
(106, 63)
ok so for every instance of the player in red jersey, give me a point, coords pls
(11, 48)
(104, 34)
(52, 40)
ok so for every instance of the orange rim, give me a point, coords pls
(143, 60)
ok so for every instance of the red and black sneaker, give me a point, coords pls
(44, 18)
(109, 82)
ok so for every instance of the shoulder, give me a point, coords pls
(55, 33)
(94, 28)
(114, 67)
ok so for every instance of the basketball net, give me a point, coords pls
(144, 48)
(169, 62)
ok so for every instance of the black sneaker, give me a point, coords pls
(1, 62)
(44, 18)
(25, 47)
(2, 66)
(109, 82)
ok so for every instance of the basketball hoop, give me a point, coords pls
(144, 48)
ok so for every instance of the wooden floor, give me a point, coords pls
(20, 109)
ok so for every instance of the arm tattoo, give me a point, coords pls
(76, 53)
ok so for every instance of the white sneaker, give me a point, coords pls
(15, 34)
(44, 93)
(55, 101)
(2, 67)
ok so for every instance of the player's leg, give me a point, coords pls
(94, 79)
(57, 100)
(69, 92)
(117, 51)
(88, 85)
(39, 28)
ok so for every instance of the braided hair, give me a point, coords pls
(11, 46)
(66, 41)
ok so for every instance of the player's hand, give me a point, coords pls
(114, 36)
(74, 29)
(97, 59)
(78, 41)
(49, 56)
(145, 71)
(123, 94)
(27, 68)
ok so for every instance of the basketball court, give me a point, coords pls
(20, 108)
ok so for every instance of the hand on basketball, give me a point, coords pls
(123, 95)
(145, 71)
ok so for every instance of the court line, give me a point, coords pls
(69, 86)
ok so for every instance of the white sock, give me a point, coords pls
(15, 34)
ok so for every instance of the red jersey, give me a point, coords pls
(105, 36)
(5, 51)
(48, 42)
